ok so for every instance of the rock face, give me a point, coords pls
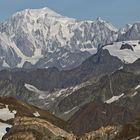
(41, 38)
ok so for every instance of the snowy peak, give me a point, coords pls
(125, 29)
(106, 24)
(37, 13)
(132, 32)
(43, 11)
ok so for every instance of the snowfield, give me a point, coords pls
(126, 55)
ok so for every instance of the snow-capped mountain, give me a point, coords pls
(125, 29)
(132, 32)
(42, 38)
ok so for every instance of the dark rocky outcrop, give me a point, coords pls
(126, 46)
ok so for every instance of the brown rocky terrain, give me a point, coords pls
(32, 123)
(35, 129)
(130, 131)
(95, 115)
(104, 133)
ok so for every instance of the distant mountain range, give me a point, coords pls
(41, 38)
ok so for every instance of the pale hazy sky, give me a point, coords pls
(119, 12)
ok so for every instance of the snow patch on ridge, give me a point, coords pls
(69, 111)
(36, 114)
(134, 94)
(5, 64)
(6, 114)
(114, 98)
(34, 89)
(137, 87)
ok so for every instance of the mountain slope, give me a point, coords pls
(97, 65)
(96, 115)
(120, 88)
(109, 101)
(57, 90)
